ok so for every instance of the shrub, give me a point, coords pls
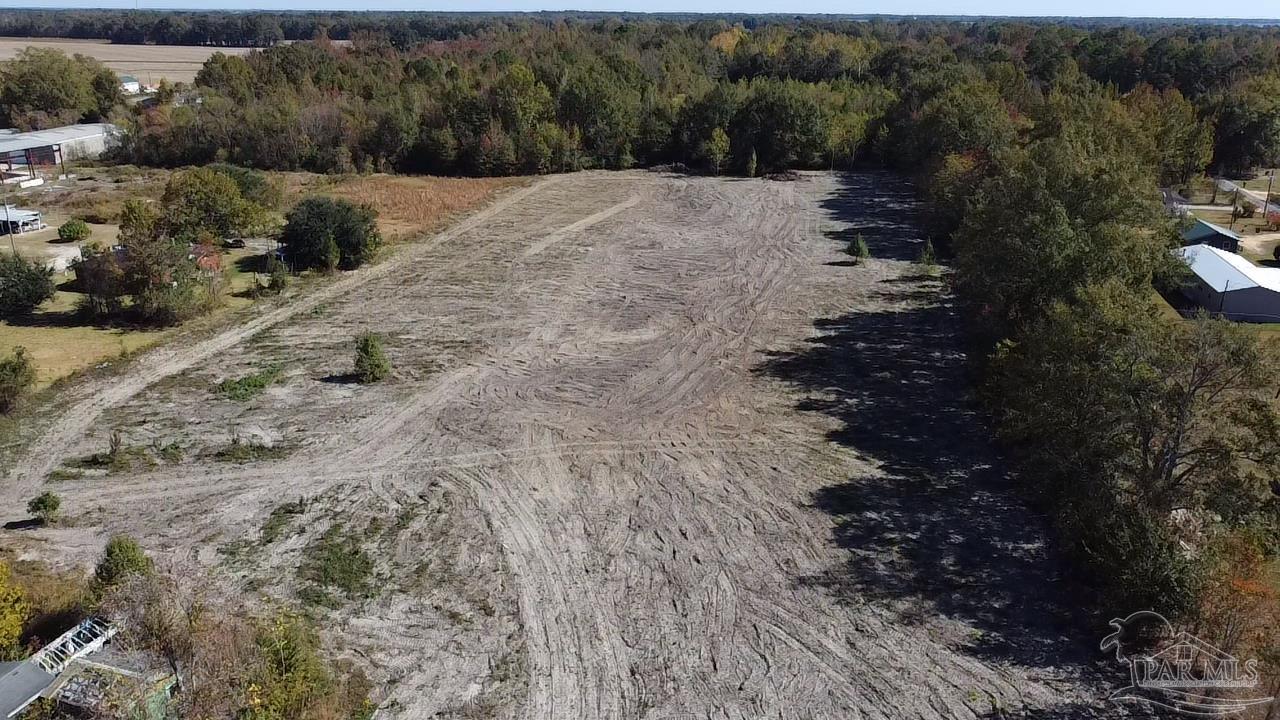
(23, 286)
(243, 388)
(45, 507)
(928, 257)
(74, 230)
(858, 248)
(17, 375)
(331, 234)
(121, 558)
(371, 362)
(336, 560)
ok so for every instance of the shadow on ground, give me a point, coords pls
(879, 206)
(940, 532)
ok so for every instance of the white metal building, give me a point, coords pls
(1229, 285)
(21, 154)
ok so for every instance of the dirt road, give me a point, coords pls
(653, 449)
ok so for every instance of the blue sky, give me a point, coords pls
(1105, 8)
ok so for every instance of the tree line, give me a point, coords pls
(615, 94)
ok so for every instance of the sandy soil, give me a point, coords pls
(652, 449)
(148, 63)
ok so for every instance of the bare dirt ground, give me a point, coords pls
(148, 63)
(652, 449)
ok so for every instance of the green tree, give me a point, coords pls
(858, 249)
(928, 257)
(322, 230)
(42, 87)
(716, 149)
(371, 364)
(23, 286)
(14, 611)
(158, 273)
(17, 375)
(45, 507)
(782, 125)
(204, 201)
(121, 558)
(74, 230)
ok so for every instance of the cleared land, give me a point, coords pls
(60, 341)
(148, 63)
(653, 448)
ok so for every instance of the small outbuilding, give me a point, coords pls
(22, 155)
(1203, 232)
(129, 85)
(1228, 285)
(16, 220)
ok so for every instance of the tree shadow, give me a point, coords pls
(880, 207)
(27, 524)
(939, 530)
(341, 379)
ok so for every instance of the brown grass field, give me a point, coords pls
(148, 63)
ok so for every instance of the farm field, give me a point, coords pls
(653, 447)
(148, 63)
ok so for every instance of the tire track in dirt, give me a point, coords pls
(651, 491)
(89, 400)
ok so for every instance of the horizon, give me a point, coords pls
(1176, 10)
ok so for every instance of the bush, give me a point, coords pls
(17, 375)
(45, 507)
(858, 248)
(23, 286)
(122, 558)
(74, 230)
(244, 388)
(324, 233)
(371, 362)
(928, 257)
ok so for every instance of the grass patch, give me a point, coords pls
(64, 475)
(336, 561)
(248, 386)
(239, 451)
(118, 458)
(280, 519)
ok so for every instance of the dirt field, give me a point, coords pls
(653, 448)
(148, 63)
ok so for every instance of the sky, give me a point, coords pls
(1256, 9)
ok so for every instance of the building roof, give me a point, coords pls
(53, 136)
(1226, 271)
(17, 214)
(1202, 229)
(20, 683)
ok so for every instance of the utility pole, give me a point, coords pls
(8, 225)
(1271, 177)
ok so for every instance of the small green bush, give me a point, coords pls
(45, 507)
(246, 387)
(121, 558)
(858, 248)
(74, 230)
(928, 257)
(17, 375)
(371, 363)
(23, 286)
(336, 560)
(239, 451)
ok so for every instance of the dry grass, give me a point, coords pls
(412, 205)
(60, 346)
(149, 63)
